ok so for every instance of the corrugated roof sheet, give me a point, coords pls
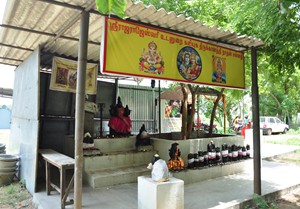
(55, 25)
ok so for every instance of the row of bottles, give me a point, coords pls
(218, 156)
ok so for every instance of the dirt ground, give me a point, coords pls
(289, 201)
(15, 196)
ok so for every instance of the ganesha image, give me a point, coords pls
(151, 61)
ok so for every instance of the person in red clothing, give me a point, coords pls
(247, 126)
(120, 122)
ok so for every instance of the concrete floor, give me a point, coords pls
(223, 192)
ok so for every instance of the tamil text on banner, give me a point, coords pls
(137, 50)
(64, 76)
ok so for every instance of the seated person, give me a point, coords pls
(237, 123)
(120, 122)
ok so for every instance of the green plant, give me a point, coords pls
(10, 189)
(259, 202)
(12, 195)
(294, 131)
(292, 141)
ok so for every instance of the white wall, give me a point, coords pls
(25, 118)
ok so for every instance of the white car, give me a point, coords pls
(271, 125)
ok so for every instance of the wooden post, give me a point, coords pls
(79, 110)
(256, 129)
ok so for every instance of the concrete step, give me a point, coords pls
(117, 159)
(115, 144)
(104, 178)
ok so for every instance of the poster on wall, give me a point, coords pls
(138, 50)
(64, 76)
(173, 109)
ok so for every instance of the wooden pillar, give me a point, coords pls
(256, 129)
(79, 109)
(159, 109)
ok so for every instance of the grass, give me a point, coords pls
(294, 131)
(260, 203)
(294, 140)
(13, 195)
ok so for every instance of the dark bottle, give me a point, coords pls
(244, 152)
(196, 160)
(248, 150)
(218, 155)
(211, 149)
(213, 157)
(224, 153)
(235, 154)
(230, 154)
(240, 153)
(190, 161)
(201, 159)
(205, 155)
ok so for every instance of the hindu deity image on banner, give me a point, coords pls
(151, 61)
(219, 69)
(189, 63)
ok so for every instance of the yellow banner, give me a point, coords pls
(64, 76)
(142, 51)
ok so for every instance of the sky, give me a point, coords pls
(7, 73)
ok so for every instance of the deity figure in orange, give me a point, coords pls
(175, 162)
(151, 61)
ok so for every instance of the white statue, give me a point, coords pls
(160, 171)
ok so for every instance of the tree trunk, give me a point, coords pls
(184, 112)
(213, 114)
(191, 121)
(278, 104)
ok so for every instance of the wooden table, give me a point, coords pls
(63, 163)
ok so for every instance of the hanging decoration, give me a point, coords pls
(64, 76)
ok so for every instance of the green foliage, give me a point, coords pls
(277, 23)
(294, 131)
(177, 6)
(117, 7)
(295, 141)
(13, 194)
(260, 203)
(10, 189)
(278, 26)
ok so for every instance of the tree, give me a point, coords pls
(277, 23)
(193, 90)
(184, 111)
(213, 114)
